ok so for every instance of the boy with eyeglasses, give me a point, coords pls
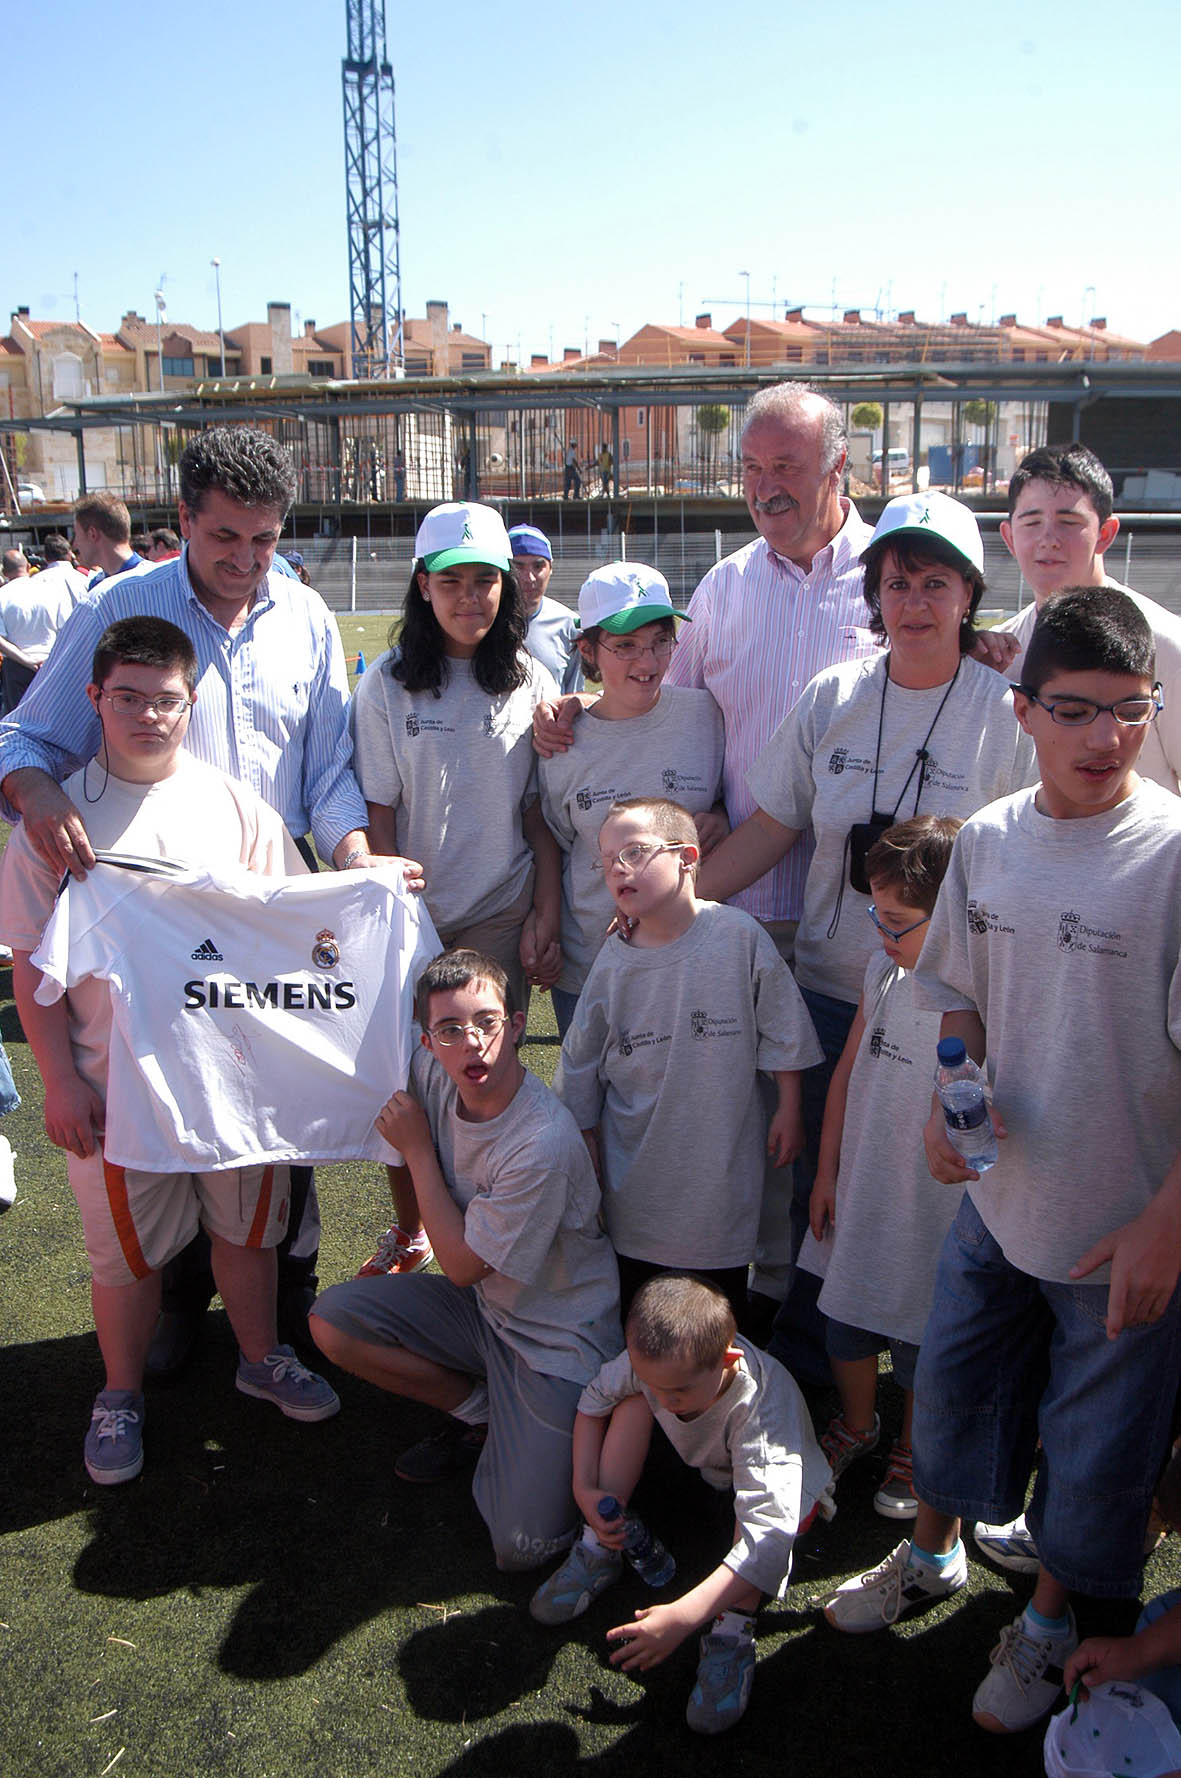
(528, 1307)
(660, 1066)
(1054, 951)
(877, 1219)
(144, 795)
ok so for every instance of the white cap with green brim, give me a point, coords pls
(463, 531)
(624, 596)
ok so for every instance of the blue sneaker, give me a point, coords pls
(114, 1449)
(571, 1589)
(295, 1390)
(725, 1674)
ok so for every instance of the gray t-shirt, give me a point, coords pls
(663, 1056)
(1160, 757)
(756, 1438)
(530, 1200)
(879, 1262)
(457, 771)
(1065, 937)
(551, 639)
(818, 767)
(675, 750)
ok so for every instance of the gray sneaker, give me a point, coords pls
(725, 1674)
(878, 1598)
(1024, 1678)
(572, 1588)
(114, 1449)
(295, 1390)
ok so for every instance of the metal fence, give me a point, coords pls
(372, 574)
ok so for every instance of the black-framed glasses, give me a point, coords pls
(130, 703)
(631, 651)
(1081, 712)
(633, 855)
(886, 931)
(483, 1028)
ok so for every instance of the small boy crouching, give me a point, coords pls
(735, 1415)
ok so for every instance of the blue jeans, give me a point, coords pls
(1166, 1681)
(563, 1003)
(844, 1341)
(9, 1097)
(1007, 1358)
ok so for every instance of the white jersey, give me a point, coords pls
(253, 1019)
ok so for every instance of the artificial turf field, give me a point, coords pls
(266, 1599)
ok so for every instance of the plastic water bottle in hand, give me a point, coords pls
(963, 1094)
(647, 1555)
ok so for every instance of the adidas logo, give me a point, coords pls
(207, 952)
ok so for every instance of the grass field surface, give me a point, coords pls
(268, 1601)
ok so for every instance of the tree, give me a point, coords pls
(712, 420)
(867, 416)
(980, 413)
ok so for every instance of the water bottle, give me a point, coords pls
(647, 1555)
(963, 1094)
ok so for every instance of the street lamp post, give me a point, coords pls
(746, 354)
(216, 264)
(161, 316)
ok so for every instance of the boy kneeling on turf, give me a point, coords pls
(528, 1308)
(1054, 950)
(731, 1412)
(143, 794)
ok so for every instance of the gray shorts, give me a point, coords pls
(522, 1481)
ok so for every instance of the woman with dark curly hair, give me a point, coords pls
(443, 752)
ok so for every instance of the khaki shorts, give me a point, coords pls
(133, 1223)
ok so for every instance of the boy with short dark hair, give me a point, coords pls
(735, 1415)
(877, 1218)
(145, 795)
(1054, 949)
(1060, 527)
(528, 1306)
(660, 1065)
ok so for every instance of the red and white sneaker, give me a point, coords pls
(398, 1252)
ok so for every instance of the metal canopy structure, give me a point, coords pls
(371, 193)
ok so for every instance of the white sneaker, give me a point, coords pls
(878, 1598)
(1025, 1676)
(1009, 1546)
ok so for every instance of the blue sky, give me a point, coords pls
(565, 180)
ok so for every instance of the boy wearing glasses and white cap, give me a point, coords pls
(660, 1066)
(143, 794)
(528, 1307)
(1053, 950)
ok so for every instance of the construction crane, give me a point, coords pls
(371, 193)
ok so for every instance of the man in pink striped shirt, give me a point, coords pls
(767, 619)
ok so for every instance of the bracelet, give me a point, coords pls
(352, 857)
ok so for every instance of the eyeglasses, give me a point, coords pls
(129, 703)
(885, 931)
(633, 855)
(631, 651)
(1081, 712)
(483, 1028)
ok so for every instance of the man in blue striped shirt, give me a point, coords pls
(271, 710)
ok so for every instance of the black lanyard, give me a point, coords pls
(921, 755)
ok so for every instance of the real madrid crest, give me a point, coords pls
(325, 950)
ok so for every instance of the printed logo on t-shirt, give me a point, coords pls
(325, 950)
(417, 724)
(702, 1026)
(206, 952)
(886, 1051)
(639, 1040)
(841, 760)
(936, 776)
(583, 798)
(677, 783)
(488, 724)
(982, 920)
(1075, 935)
